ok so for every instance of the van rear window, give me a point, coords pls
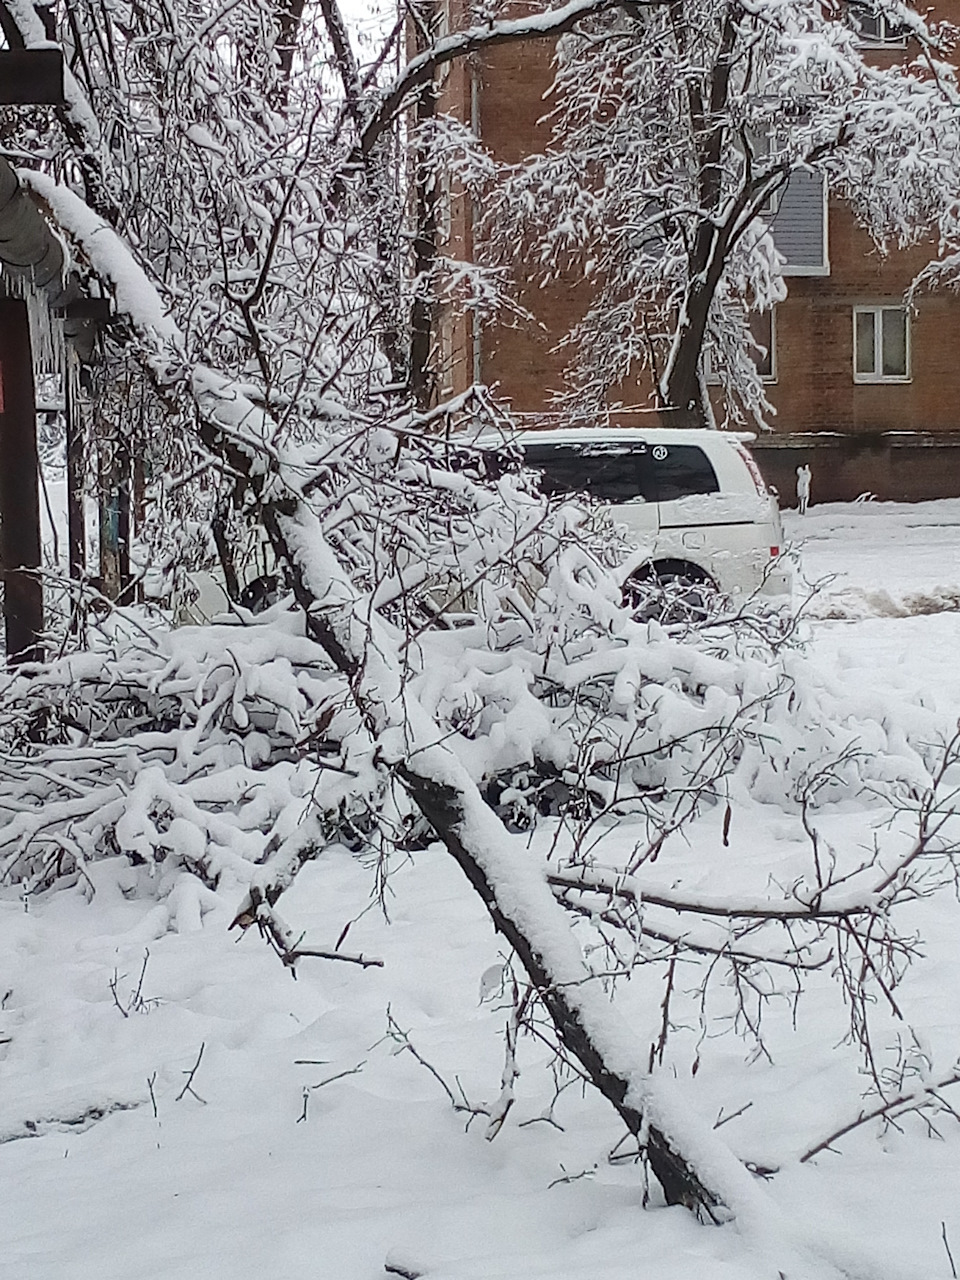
(610, 472)
(614, 471)
(682, 470)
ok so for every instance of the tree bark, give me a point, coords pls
(444, 809)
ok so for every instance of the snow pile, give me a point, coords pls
(205, 748)
(857, 602)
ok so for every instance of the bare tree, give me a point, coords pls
(676, 129)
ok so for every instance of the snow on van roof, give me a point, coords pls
(612, 435)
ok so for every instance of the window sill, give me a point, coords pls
(768, 380)
(821, 270)
(878, 380)
(895, 42)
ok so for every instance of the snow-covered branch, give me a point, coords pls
(545, 25)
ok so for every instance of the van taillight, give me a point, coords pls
(758, 480)
(774, 551)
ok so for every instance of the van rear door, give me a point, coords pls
(690, 493)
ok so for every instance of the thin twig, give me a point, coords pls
(188, 1087)
(308, 1089)
(113, 991)
(722, 1119)
(946, 1245)
(908, 1101)
(366, 962)
(399, 1036)
(572, 1177)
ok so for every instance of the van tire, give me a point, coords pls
(670, 592)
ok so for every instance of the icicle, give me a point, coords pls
(72, 388)
(46, 338)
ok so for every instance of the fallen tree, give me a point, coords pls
(381, 722)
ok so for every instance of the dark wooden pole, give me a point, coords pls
(19, 488)
(76, 530)
(109, 500)
(31, 77)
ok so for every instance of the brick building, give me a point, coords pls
(867, 394)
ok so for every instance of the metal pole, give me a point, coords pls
(19, 488)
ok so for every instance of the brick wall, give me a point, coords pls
(894, 467)
(523, 359)
(815, 388)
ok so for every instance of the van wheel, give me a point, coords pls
(670, 593)
(260, 594)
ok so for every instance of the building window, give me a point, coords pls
(763, 328)
(761, 145)
(881, 344)
(875, 30)
(800, 227)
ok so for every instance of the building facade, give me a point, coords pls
(866, 392)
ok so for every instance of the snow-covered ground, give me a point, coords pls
(173, 1106)
(887, 576)
(883, 559)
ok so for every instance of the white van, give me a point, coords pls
(694, 502)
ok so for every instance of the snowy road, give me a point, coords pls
(880, 559)
(885, 602)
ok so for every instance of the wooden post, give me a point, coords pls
(31, 77)
(114, 517)
(19, 488)
(76, 530)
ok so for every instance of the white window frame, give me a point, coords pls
(876, 376)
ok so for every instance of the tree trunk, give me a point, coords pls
(683, 388)
(445, 809)
(476, 838)
(682, 385)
